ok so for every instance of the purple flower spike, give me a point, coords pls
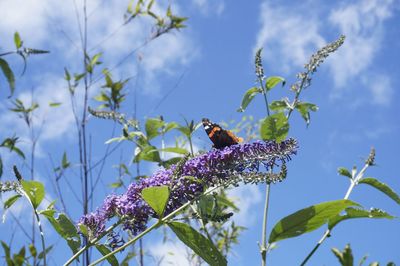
(247, 163)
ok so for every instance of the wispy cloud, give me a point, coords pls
(381, 88)
(50, 25)
(210, 7)
(363, 25)
(170, 253)
(288, 36)
(291, 34)
(246, 197)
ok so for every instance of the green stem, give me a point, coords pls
(263, 248)
(353, 182)
(191, 146)
(91, 243)
(41, 236)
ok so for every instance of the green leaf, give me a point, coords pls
(152, 126)
(157, 198)
(149, 153)
(116, 184)
(17, 40)
(274, 127)
(382, 187)
(201, 245)
(170, 126)
(32, 250)
(343, 171)
(304, 110)
(175, 150)
(278, 106)
(55, 104)
(34, 190)
(346, 257)
(352, 213)
(65, 163)
(6, 249)
(104, 251)
(8, 203)
(46, 251)
(129, 256)
(308, 219)
(248, 97)
(9, 74)
(271, 82)
(19, 258)
(65, 228)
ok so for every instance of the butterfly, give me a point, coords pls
(219, 136)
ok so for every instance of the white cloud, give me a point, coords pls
(169, 253)
(53, 25)
(287, 36)
(209, 7)
(362, 23)
(291, 34)
(380, 87)
(246, 197)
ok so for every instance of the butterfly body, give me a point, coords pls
(219, 136)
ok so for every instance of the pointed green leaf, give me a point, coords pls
(9, 202)
(346, 257)
(352, 213)
(65, 228)
(308, 219)
(34, 190)
(152, 126)
(149, 153)
(278, 106)
(304, 110)
(274, 127)
(157, 198)
(248, 97)
(55, 104)
(32, 250)
(175, 150)
(343, 171)
(201, 245)
(170, 126)
(104, 251)
(65, 163)
(46, 251)
(9, 74)
(271, 82)
(17, 40)
(382, 187)
(7, 254)
(19, 258)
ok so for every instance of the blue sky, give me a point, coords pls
(205, 69)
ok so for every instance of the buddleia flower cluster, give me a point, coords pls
(241, 163)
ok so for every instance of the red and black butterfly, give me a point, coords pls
(219, 136)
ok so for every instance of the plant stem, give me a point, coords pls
(353, 182)
(41, 236)
(94, 241)
(263, 248)
(191, 145)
